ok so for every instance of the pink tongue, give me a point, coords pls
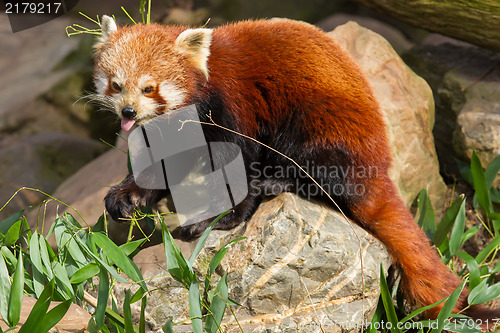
(127, 124)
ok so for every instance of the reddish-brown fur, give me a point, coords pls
(289, 85)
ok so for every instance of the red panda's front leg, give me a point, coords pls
(239, 214)
(124, 198)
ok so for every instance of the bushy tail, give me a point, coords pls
(425, 279)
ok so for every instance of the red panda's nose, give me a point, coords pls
(128, 112)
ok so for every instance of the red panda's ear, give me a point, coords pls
(108, 26)
(196, 44)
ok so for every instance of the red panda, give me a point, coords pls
(290, 86)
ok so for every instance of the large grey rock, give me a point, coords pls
(395, 37)
(299, 264)
(43, 162)
(466, 83)
(408, 107)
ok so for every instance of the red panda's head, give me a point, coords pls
(146, 70)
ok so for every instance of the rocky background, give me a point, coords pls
(440, 97)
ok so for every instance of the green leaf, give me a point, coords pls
(110, 269)
(217, 258)
(16, 293)
(142, 318)
(480, 186)
(131, 247)
(387, 301)
(39, 309)
(195, 306)
(84, 273)
(112, 251)
(12, 235)
(62, 279)
(137, 296)
(377, 316)
(457, 231)
(420, 310)
(446, 222)
(67, 230)
(474, 273)
(167, 328)
(488, 249)
(45, 254)
(176, 263)
(447, 308)
(217, 307)
(492, 171)
(127, 314)
(426, 220)
(54, 316)
(484, 293)
(9, 222)
(203, 238)
(5, 287)
(36, 264)
(471, 232)
(102, 297)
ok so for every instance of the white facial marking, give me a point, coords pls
(144, 81)
(101, 83)
(119, 78)
(173, 96)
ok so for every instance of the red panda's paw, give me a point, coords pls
(123, 199)
(190, 231)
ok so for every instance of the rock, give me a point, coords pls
(75, 320)
(27, 73)
(299, 264)
(394, 36)
(466, 83)
(85, 191)
(408, 107)
(41, 161)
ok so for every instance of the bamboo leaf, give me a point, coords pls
(39, 309)
(446, 222)
(484, 293)
(480, 186)
(16, 293)
(447, 308)
(167, 328)
(387, 301)
(36, 264)
(474, 273)
(102, 297)
(54, 316)
(5, 287)
(127, 314)
(218, 306)
(9, 222)
(195, 306)
(457, 232)
(176, 263)
(203, 238)
(84, 273)
(112, 251)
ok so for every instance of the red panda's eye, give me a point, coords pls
(148, 89)
(116, 86)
